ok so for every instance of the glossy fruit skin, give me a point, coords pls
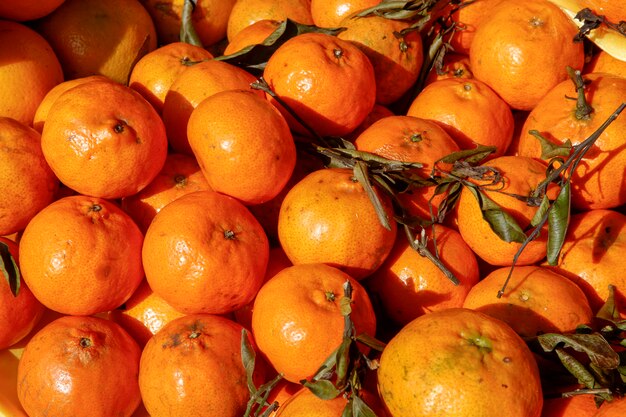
(81, 255)
(537, 300)
(330, 13)
(598, 180)
(522, 50)
(80, 366)
(243, 145)
(469, 354)
(326, 81)
(104, 139)
(27, 182)
(205, 253)
(193, 367)
(297, 315)
(327, 217)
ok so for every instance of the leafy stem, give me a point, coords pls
(9, 268)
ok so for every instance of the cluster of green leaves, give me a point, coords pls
(341, 373)
(601, 370)
(591, 21)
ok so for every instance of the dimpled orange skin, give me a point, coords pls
(605, 62)
(326, 81)
(180, 175)
(297, 315)
(104, 139)
(27, 182)
(34, 69)
(306, 404)
(469, 355)
(44, 107)
(397, 60)
(536, 300)
(18, 315)
(327, 217)
(593, 255)
(205, 253)
(153, 75)
(521, 176)
(469, 110)
(243, 145)
(611, 9)
(24, 10)
(193, 367)
(80, 366)
(522, 50)
(582, 405)
(81, 255)
(598, 182)
(409, 285)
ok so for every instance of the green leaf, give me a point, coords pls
(360, 409)
(323, 389)
(550, 150)
(360, 173)
(541, 212)
(343, 362)
(188, 33)
(254, 57)
(248, 357)
(609, 310)
(9, 269)
(558, 221)
(594, 345)
(371, 342)
(577, 369)
(501, 222)
(471, 156)
(347, 410)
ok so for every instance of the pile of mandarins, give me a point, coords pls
(318, 208)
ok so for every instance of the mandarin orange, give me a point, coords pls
(328, 82)
(297, 314)
(457, 362)
(104, 139)
(243, 145)
(328, 217)
(247, 12)
(193, 367)
(330, 13)
(81, 255)
(80, 366)
(205, 253)
(522, 50)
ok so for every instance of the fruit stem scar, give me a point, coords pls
(194, 335)
(338, 53)
(95, 207)
(180, 180)
(118, 128)
(85, 342)
(330, 296)
(229, 234)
